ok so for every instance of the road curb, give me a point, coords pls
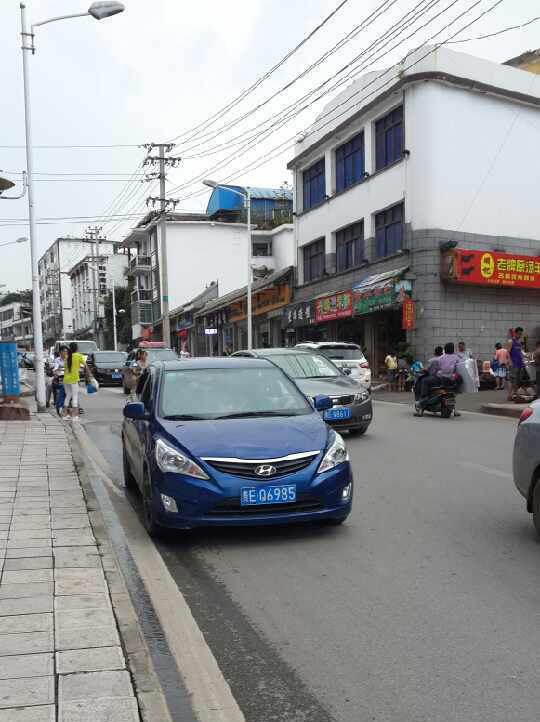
(152, 703)
(509, 410)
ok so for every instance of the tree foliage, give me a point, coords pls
(123, 320)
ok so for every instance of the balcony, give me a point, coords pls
(139, 264)
(141, 294)
(141, 313)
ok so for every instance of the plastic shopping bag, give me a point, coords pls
(92, 386)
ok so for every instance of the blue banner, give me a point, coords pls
(9, 371)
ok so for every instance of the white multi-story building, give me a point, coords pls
(16, 324)
(204, 249)
(90, 283)
(55, 283)
(402, 171)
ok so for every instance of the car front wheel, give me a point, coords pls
(536, 507)
(150, 524)
(358, 431)
(129, 479)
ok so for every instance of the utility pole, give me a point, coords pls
(164, 203)
(92, 232)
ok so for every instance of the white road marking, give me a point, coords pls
(211, 697)
(485, 469)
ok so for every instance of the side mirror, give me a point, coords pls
(136, 411)
(346, 372)
(322, 403)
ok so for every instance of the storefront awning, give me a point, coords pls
(379, 280)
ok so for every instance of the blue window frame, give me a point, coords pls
(389, 231)
(389, 138)
(314, 264)
(314, 185)
(350, 246)
(350, 162)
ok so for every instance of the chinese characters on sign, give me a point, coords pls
(302, 314)
(333, 307)
(407, 320)
(9, 371)
(490, 268)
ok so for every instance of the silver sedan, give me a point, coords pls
(526, 460)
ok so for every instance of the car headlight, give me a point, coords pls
(171, 460)
(335, 454)
(362, 396)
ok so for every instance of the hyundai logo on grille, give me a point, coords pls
(265, 470)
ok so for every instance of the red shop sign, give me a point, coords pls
(407, 319)
(490, 268)
(333, 307)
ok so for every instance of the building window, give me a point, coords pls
(350, 162)
(389, 231)
(350, 246)
(389, 138)
(313, 260)
(314, 185)
(262, 248)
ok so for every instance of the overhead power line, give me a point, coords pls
(497, 32)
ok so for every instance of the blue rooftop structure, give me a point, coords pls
(225, 205)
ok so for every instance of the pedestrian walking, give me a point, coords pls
(391, 364)
(517, 364)
(463, 353)
(500, 366)
(75, 361)
(58, 379)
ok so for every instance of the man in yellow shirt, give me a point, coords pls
(391, 364)
(73, 364)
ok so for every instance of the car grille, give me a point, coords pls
(342, 400)
(304, 502)
(246, 468)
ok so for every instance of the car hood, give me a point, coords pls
(252, 438)
(333, 386)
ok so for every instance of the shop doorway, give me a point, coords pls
(388, 335)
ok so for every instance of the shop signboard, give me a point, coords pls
(301, 314)
(490, 268)
(374, 299)
(333, 307)
(9, 371)
(407, 322)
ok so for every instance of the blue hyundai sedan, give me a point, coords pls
(232, 441)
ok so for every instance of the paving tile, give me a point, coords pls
(90, 660)
(76, 557)
(26, 643)
(85, 638)
(26, 623)
(95, 576)
(82, 601)
(80, 537)
(27, 691)
(12, 591)
(31, 665)
(36, 551)
(76, 586)
(13, 565)
(27, 542)
(77, 523)
(99, 710)
(45, 713)
(27, 576)
(27, 605)
(94, 685)
(78, 618)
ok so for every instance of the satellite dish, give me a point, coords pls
(5, 184)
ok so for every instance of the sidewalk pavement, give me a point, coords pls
(491, 402)
(60, 652)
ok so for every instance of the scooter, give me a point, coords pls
(440, 400)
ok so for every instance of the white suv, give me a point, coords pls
(345, 356)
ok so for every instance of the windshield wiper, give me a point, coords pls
(184, 417)
(246, 414)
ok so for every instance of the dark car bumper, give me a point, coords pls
(106, 379)
(361, 417)
(207, 503)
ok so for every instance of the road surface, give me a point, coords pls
(424, 606)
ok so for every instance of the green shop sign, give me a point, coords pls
(379, 297)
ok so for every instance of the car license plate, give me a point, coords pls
(255, 495)
(116, 375)
(337, 414)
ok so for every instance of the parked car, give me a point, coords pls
(314, 374)
(154, 352)
(84, 346)
(344, 355)
(232, 441)
(106, 366)
(526, 460)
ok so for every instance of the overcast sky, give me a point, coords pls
(163, 67)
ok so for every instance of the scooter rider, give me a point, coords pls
(429, 378)
(447, 367)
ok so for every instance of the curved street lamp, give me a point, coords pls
(99, 11)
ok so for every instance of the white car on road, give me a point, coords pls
(345, 356)
(526, 460)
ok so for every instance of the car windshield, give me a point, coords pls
(85, 347)
(161, 354)
(341, 353)
(110, 357)
(219, 393)
(305, 365)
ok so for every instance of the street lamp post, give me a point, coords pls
(245, 193)
(97, 10)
